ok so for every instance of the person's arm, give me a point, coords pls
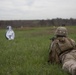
(53, 55)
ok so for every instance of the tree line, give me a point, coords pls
(37, 23)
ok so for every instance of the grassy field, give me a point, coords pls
(27, 54)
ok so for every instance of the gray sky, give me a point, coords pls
(37, 9)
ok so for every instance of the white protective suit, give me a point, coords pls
(10, 35)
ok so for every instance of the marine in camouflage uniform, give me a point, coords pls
(62, 50)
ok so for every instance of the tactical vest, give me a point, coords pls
(63, 44)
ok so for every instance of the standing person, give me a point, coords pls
(10, 35)
(62, 50)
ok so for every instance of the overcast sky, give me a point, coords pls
(37, 9)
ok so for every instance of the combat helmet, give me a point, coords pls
(61, 31)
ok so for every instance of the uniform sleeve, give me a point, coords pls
(53, 56)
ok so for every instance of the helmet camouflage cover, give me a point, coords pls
(61, 31)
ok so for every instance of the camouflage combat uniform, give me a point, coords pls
(66, 53)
